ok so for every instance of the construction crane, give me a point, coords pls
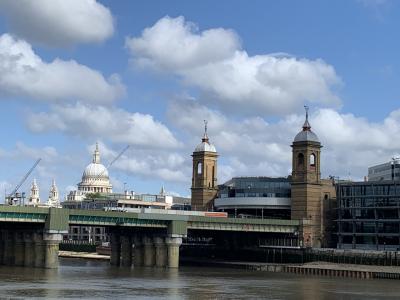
(12, 195)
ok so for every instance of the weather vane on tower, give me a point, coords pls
(205, 137)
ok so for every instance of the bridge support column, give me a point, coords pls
(29, 260)
(149, 252)
(3, 236)
(19, 250)
(138, 252)
(126, 251)
(52, 242)
(161, 252)
(173, 244)
(9, 258)
(39, 246)
(115, 249)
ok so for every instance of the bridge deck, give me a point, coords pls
(60, 219)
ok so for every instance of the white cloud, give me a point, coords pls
(254, 147)
(23, 73)
(148, 163)
(214, 62)
(113, 124)
(58, 22)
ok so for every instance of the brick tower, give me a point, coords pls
(306, 185)
(204, 175)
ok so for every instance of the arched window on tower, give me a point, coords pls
(312, 160)
(300, 160)
(199, 168)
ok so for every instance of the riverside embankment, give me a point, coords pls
(312, 268)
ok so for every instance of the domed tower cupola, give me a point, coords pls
(205, 144)
(306, 135)
(306, 155)
(204, 175)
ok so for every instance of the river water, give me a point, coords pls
(89, 279)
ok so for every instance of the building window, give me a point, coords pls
(300, 160)
(199, 168)
(312, 160)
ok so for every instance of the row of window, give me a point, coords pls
(369, 202)
(367, 190)
(233, 194)
(369, 227)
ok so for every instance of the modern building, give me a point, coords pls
(204, 176)
(312, 197)
(385, 171)
(259, 197)
(368, 215)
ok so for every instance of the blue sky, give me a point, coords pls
(147, 74)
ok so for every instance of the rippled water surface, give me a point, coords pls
(86, 279)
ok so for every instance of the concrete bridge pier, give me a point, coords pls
(115, 242)
(51, 246)
(19, 248)
(138, 251)
(8, 254)
(161, 252)
(126, 251)
(29, 259)
(173, 244)
(39, 249)
(149, 251)
(2, 237)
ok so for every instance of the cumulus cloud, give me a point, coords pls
(58, 22)
(253, 147)
(150, 163)
(23, 73)
(113, 124)
(214, 62)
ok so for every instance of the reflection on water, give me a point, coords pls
(96, 279)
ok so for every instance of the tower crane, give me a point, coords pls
(12, 195)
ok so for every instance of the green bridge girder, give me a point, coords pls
(59, 219)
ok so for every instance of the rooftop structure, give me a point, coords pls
(386, 171)
(306, 135)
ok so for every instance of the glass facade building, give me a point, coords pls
(255, 197)
(386, 171)
(369, 215)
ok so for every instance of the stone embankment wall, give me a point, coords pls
(347, 256)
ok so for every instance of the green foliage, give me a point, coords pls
(94, 196)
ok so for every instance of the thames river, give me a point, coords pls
(88, 279)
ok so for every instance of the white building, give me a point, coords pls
(95, 179)
(34, 197)
(53, 200)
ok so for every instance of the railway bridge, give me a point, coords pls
(30, 236)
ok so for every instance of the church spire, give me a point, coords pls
(205, 136)
(96, 154)
(306, 125)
